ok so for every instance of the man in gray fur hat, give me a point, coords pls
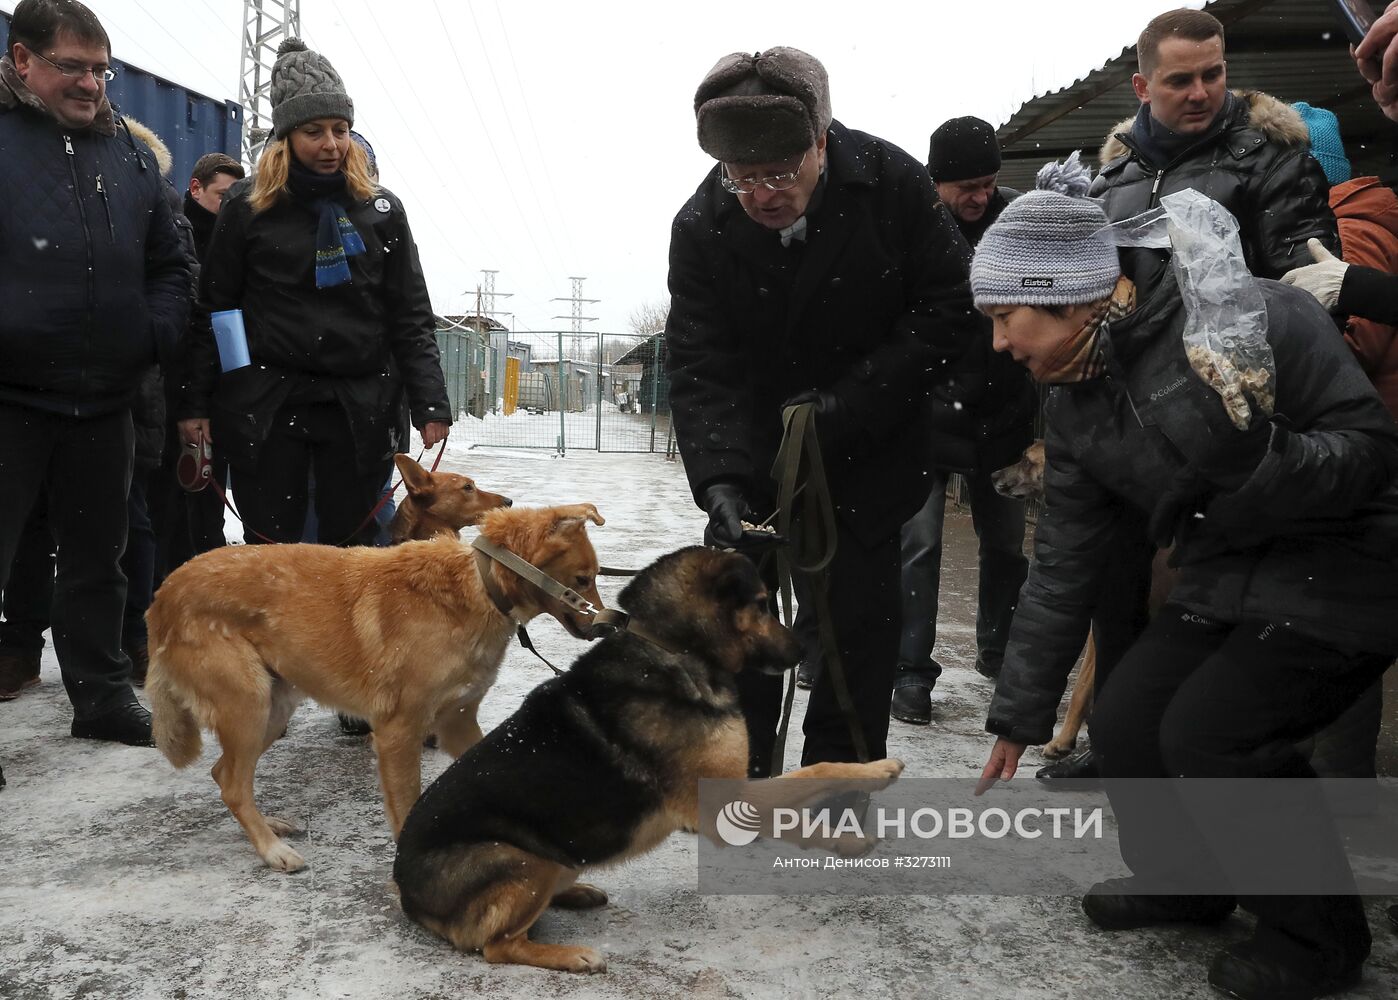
(813, 265)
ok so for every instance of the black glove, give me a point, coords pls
(833, 423)
(728, 508)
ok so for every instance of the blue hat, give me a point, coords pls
(1326, 145)
(363, 144)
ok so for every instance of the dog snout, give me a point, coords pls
(506, 501)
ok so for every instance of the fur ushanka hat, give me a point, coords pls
(762, 107)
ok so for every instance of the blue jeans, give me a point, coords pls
(999, 527)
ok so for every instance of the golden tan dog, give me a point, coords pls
(405, 637)
(437, 503)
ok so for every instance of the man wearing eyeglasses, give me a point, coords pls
(812, 265)
(94, 287)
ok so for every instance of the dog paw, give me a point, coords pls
(886, 770)
(283, 827)
(283, 858)
(580, 897)
(1056, 749)
(584, 960)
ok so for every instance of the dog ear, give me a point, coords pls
(415, 477)
(574, 516)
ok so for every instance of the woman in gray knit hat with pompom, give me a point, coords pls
(318, 265)
(1284, 520)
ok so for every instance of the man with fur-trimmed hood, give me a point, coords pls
(95, 288)
(1246, 150)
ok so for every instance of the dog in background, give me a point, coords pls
(405, 637)
(437, 503)
(601, 764)
(1025, 481)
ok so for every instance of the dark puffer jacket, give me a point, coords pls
(1259, 167)
(1309, 539)
(875, 306)
(983, 416)
(93, 285)
(367, 340)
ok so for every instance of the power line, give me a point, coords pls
(509, 122)
(485, 130)
(198, 61)
(538, 145)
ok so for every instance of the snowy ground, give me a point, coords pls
(128, 880)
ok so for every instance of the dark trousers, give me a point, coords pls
(272, 498)
(864, 607)
(29, 588)
(1200, 699)
(999, 526)
(84, 466)
(185, 524)
(138, 562)
(1123, 606)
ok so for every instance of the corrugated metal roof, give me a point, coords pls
(1294, 50)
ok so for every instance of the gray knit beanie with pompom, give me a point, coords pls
(305, 87)
(1048, 247)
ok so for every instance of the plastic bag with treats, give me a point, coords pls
(1225, 329)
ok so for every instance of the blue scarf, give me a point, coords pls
(336, 238)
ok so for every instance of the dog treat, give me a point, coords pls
(1234, 385)
(749, 526)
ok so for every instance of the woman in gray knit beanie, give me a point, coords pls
(1284, 612)
(313, 272)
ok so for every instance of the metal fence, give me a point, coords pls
(558, 390)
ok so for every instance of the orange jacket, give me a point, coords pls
(1368, 216)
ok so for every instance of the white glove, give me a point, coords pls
(1323, 278)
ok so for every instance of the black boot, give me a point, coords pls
(351, 726)
(1112, 906)
(807, 673)
(912, 704)
(1073, 772)
(128, 723)
(1246, 971)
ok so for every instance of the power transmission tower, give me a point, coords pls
(490, 295)
(266, 24)
(576, 315)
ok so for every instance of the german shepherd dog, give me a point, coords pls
(602, 764)
(406, 637)
(437, 503)
(1025, 481)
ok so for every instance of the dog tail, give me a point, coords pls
(174, 726)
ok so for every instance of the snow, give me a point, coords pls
(127, 880)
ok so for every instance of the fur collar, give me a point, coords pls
(15, 93)
(1279, 122)
(144, 133)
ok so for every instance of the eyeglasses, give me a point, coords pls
(104, 74)
(775, 182)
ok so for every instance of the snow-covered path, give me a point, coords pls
(125, 879)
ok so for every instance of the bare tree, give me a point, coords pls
(648, 318)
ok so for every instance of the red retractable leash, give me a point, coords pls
(200, 457)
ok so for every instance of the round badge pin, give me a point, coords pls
(383, 206)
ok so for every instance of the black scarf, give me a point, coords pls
(336, 239)
(1161, 145)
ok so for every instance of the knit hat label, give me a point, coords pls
(1036, 283)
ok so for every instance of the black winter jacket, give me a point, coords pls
(367, 340)
(983, 419)
(1310, 538)
(875, 306)
(93, 285)
(1259, 167)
